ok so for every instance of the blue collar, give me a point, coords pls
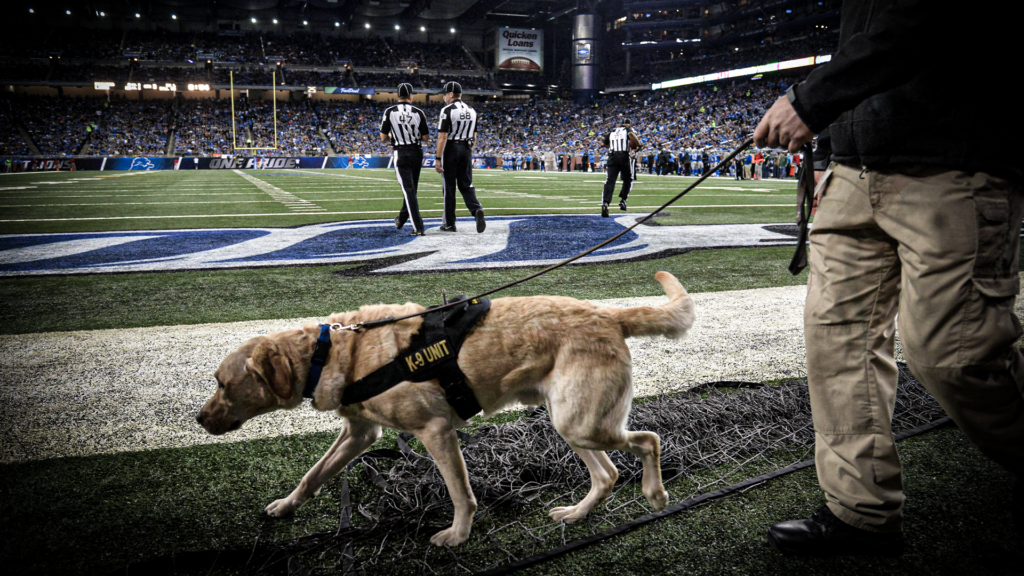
(316, 364)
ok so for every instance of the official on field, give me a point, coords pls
(619, 142)
(406, 127)
(454, 159)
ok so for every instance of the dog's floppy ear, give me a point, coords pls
(270, 365)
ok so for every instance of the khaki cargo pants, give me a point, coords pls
(940, 248)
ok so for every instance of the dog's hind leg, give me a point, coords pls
(589, 406)
(441, 441)
(356, 436)
(603, 475)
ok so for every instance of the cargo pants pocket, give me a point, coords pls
(998, 216)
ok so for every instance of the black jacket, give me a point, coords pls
(917, 82)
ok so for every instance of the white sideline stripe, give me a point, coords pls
(496, 210)
(142, 387)
(276, 193)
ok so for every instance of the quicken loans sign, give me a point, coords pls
(519, 49)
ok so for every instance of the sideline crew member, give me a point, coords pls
(454, 159)
(618, 142)
(406, 127)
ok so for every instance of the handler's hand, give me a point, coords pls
(439, 169)
(782, 127)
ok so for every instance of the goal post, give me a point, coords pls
(273, 92)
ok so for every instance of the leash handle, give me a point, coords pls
(391, 319)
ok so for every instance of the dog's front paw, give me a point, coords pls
(567, 514)
(658, 499)
(449, 537)
(282, 507)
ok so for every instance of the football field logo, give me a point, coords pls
(510, 242)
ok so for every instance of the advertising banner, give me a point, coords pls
(220, 163)
(519, 49)
(347, 90)
(138, 164)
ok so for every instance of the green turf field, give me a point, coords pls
(96, 514)
(94, 201)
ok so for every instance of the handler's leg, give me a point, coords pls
(851, 373)
(957, 322)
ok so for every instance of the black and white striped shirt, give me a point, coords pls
(618, 140)
(405, 124)
(458, 119)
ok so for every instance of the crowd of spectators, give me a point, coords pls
(58, 126)
(11, 142)
(297, 133)
(177, 74)
(519, 78)
(315, 77)
(89, 73)
(203, 128)
(443, 56)
(31, 72)
(131, 128)
(703, 118)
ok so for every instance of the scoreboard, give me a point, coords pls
(165, 87)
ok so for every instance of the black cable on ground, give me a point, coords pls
(680, 507)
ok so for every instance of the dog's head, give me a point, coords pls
(257, 378)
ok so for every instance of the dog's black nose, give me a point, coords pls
(199, 418)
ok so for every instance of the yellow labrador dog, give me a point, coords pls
(567, 354)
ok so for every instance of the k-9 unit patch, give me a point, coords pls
(428, 356)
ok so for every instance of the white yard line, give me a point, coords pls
(291, 201)
(638, 210)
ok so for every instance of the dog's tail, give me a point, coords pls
(672, 319)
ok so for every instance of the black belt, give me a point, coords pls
(409, 148)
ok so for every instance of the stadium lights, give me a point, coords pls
(137, 15)
(336, 24)
(31, 11)
(367, 25)
(423, 28)
(68, 12)
(305, 23)
(103, 13)
(174, 16)
(253, 20)
(275, 20)
(453, 30)
(397, 27)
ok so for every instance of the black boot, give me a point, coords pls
(825, 535)
(481, 224)
(604, 210)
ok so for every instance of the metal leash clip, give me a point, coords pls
(353, 327)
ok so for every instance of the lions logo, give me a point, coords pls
(142, 164)
(374, 246)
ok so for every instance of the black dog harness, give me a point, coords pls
(432, 354)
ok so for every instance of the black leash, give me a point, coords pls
(391, 319)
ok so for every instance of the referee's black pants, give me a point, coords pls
(618, 163)
(408, 163)
(457, 163)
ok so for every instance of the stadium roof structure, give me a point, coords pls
(463, 12)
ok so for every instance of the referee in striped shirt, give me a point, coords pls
(454, 159)
(618, 142)
(406, 127)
